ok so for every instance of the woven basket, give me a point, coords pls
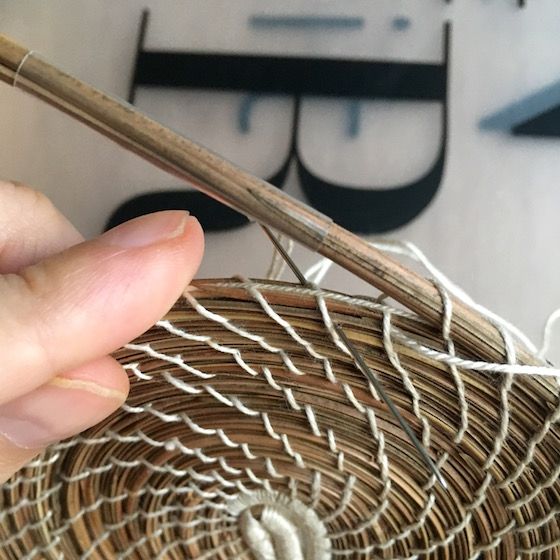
(249, 429)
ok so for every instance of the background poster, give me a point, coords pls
(491, 223)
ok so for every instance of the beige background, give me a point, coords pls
(494, 225)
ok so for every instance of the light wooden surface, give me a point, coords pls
(493, 225)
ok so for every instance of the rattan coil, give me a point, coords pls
(244, 405)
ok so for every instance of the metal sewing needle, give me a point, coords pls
(299, 274)
(364, 368)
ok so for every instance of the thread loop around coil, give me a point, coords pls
(20, 66)
(276, 527)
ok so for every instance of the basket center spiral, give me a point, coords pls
(277, 527)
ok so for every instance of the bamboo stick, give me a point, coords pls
(235, 187)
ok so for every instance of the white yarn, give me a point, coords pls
(287, 528)
(277, 263)
(20, 66)
(317, 272)
(408, 249)
(547, 333)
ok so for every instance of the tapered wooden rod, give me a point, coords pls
(240, 190)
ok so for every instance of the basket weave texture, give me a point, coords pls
(249, 429)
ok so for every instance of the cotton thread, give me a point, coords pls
(20, 66)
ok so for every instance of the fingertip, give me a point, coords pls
(193, 237)
(193, 229)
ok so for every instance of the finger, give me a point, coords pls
(64, 406)
(94, 297)
(31, 228)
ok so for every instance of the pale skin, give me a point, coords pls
(66, 304)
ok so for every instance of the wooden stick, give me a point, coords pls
(259, 200)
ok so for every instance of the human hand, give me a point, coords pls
(66, 303)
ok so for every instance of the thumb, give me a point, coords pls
(60, 318)
(90, 299)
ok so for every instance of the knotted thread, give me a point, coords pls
(279, 527)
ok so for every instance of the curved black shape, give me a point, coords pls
(546, 124)
(380, 210)
(212, 215)
(360, 210)
(278, 179)
(372, 211)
